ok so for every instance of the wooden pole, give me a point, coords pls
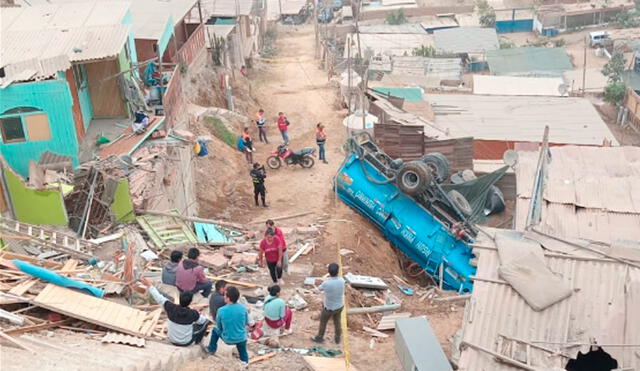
(584, 67)
(192, 219)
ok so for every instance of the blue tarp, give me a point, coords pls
(209, 233)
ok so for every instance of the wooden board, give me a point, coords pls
(327, 364)
(389, 322)
(88, 308)
(161, 230)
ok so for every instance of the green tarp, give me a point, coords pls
(122, 206)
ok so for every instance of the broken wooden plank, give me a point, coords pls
(327, 364)
(16, 342)
(262, 357)
(375, 333)
(237, 283)
(374, 309)
(150, 324)
(121, 318)
(23, 287)
(283, 217)
(299, 252)
(38, 327)
(388, 322)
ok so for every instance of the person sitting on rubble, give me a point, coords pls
(285, 255)
(190, 275)
(140, 123)
(169, 269)
(217, 301)
(276, 312)
(231, 325)
(186, 326)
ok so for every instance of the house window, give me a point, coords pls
(24, 123)
(80, 76)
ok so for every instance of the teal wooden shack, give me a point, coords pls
(64, 72)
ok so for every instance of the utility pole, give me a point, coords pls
(315, 25)
(349, 73)
(363, 69)
(584, 67)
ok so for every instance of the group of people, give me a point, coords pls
(187, 326)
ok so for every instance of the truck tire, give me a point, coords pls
(495, 201)
(438, 164)
(460, 202)
(413, 178)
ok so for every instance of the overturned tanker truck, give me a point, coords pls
(428, 220)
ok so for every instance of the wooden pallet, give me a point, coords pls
(58, 241)
(101, 312)
(165, 231)
(389, 322)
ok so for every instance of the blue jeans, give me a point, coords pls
(204, 287)
(321, 153)
(213, 346)
(285, 135)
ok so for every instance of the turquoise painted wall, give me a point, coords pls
(131, 42)
(166, 36)
(85, 99)
(54, 98)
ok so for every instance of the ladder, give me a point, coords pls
(58, 241)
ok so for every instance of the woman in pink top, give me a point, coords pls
(271, 251)
(285, 255)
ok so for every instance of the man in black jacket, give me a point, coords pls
(258, 174)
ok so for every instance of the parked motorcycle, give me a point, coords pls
(283, 153)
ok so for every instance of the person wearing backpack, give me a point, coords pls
(283, 126)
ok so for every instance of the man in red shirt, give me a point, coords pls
(283, 126)
(271, 251)
(285, 255)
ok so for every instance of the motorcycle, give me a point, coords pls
(283, 153)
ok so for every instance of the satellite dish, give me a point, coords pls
(510, 157)
(563, 89)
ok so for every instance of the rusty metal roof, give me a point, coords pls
(591, 192)
(603, 307)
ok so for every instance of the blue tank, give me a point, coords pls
(406, 223)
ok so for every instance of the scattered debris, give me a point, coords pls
(388, 322)
(297, 302)
(365, 282)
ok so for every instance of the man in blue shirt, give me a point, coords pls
(231, 325)
(333, 304)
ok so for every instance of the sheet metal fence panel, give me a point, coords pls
(173, 100)
(459, 151)
(632, 102)
(189, 51)
(402, 141)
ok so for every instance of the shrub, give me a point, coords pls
(614, 92)
(221, 131)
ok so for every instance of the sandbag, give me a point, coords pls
(530, 277)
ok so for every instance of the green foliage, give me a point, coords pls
(424, 51)
(221, 131)
(218, 45)
(614, 67)
(627, 19)
(487, 13)
(396, 17)
(614, 92)
(506, 44)
(559, 43)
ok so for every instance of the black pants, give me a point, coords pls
(274, 271)
(324, 319)
(259, 190)
(198, 334)
(262, 134)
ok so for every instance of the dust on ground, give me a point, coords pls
(294, 83)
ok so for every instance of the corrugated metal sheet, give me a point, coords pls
(529, 61)
(466, 40)
(603, 307)
(114, 337)
(275, 8)
(407, 28)
(226, 8)
(512, 85)
(389, 44)
(571, 120)
(591, 193)
(42, 15)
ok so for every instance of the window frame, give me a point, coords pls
(25, 132)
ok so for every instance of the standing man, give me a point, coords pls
(169, 270)
(321, 139)
(186, 325)
(258, 175)
(283, 126)
(231, 325)
(262, 130)
(332, 305)
(248, 145)
(217, 300)
(285, 255)
(190, 275)
(271, 251)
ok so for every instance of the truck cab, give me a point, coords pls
(597, 38)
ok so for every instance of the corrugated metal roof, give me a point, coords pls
(595, 80)
(389, 44)
(431, 22)
(529, 61)
(603, 307)
(275, 8)
(114, 337)
(48, 16)
(226, 8)
(466, 40)
(591, 193)
(444, 68)
(515, 85)
(407, 28)
(513, 118)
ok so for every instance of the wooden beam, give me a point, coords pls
(262, 357)
(374, 309)
(38, 327)
(237, 283)
(282, 217)
(15, 342)
(193, 219)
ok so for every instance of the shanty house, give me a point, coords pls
(549, 20)
(63, 68)
(473, 41)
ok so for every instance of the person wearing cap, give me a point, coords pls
(271, 251)
(258, 175)
(333, 304)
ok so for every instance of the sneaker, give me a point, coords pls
(245, 365)
(317, 339)
(287, 332)
(205, 348)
